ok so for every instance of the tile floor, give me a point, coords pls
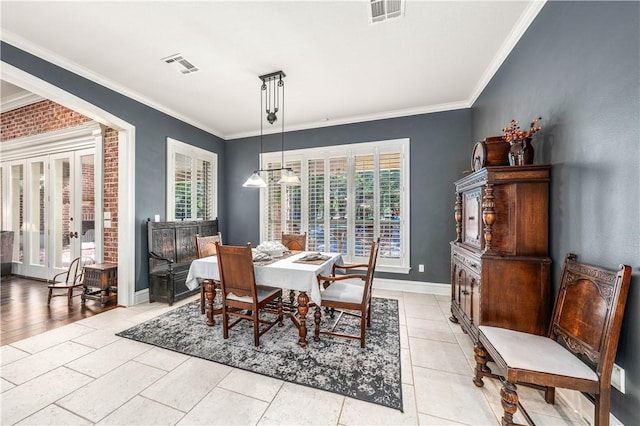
(83, 374)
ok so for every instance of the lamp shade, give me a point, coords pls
(255, 181)
(289, 178)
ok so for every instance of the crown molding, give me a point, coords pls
(19, 100)
(510, 42)
(47, 55)
(359, 119)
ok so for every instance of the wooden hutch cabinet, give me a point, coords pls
(500, 269)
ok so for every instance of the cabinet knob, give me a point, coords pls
(465, 292)
(472, 218)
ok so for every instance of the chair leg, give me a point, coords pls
(70, 296)
(256, 328)
(602, 407)
(49, 297)
(509, 402)
(481, 364)
(550, 395)
(363, 328)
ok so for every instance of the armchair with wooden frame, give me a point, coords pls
(68, 280)
(295, 242)
(241, 297)
(579, 351)
(351, 292)
(206, 246)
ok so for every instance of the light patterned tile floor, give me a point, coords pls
(84, 374)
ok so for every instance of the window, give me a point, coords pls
(191, 182)
(350, 194)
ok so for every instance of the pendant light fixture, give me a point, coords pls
(272, 85)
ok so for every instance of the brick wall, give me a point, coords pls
(46, 116)
(110, 197)
(41, 117)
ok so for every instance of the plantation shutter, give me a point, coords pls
(182, 182)
(191, 189)
(338, 227)
(390, 205)
(273, 206)
(350, 195)
(364, 208)
(203, 202)
(316, 209)
(292, 202)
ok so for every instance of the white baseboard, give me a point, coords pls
(141, 296)
(412, 286)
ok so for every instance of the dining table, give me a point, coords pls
(291, 272)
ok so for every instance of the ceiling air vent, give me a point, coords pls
(178, 62)
(381, 10)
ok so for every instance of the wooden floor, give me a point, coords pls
(24, 311)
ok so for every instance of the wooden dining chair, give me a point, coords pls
(206, 246)
(350, 292)
(295, 242)
(580, 348)
(241, 297)
(67, 281)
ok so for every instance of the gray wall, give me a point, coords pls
(152, 129)
(578, 67)
(439, 154)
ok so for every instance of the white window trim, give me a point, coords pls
(350, 150)
(174, 147)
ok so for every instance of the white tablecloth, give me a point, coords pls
(283, 273)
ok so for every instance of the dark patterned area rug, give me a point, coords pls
(333, 364)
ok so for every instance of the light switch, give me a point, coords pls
(107, 223)
(107, 215)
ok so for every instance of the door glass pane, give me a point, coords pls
(88, 242)
(61, 205)
(17, 218)
(36, 210)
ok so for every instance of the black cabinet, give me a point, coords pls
(172, 247)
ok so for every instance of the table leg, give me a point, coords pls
(209, 294)
(316, 321)
(303, 308)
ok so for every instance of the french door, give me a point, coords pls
(49, 203)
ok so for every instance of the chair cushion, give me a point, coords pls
(263, 293)
(343, 291)
(531, 352)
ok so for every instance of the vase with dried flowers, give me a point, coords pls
(521, 151)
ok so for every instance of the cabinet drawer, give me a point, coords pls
(468, 262)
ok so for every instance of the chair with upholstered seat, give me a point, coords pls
(206, 246)
(241, 297)
(580, 348)
(295, 242)
(67, 281)
(351, 292)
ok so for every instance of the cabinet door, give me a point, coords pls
(472, 217)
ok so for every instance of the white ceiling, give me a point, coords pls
(339, 67)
